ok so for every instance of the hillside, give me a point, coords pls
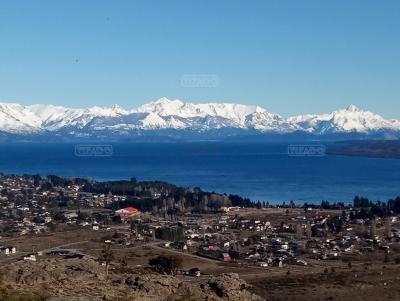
(378, 149)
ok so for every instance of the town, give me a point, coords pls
(130, 224)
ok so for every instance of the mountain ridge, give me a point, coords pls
(165, 115)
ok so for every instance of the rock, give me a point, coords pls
(131, 280)
(231, 287)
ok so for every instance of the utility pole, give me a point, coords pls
(373, 229)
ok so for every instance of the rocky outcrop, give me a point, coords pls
(231, 287)
(85, 279)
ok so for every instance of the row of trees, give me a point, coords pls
(382, 209)
(165, 198)
(366, 207)
(169, 265)
(186, 200)
(171, 234)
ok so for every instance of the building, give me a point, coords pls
(226, 257)
(8, 250)
(30, 257)
(127, 212)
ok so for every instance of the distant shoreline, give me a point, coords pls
(370, 149)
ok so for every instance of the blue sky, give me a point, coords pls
(291, 57)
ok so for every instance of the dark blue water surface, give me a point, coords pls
(255, 170)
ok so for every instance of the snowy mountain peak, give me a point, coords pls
(174, 114)
(162, 106)
(353, 108)
(236, 113)
(166, 101)
(117, 108)
(351, 119)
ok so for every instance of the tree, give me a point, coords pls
(349, 265)
(82, 216)
(386, 258)
(168, 265)
(106, 256)
(235, 255)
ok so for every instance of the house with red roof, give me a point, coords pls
(127, 212)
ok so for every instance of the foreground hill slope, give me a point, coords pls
(85, 279)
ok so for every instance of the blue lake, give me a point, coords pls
(261, 171)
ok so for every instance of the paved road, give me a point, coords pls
(13, 257)
(65, 245)
(148, 244)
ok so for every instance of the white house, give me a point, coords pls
(8, 250)
(31, 257)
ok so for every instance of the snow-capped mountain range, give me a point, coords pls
(172, 117)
